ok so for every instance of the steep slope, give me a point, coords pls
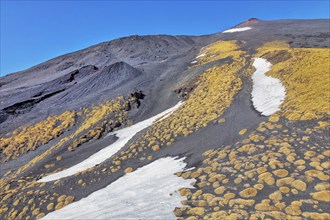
(246, 154)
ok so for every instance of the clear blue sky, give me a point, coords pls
(35, 31)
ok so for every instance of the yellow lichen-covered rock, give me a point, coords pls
(219, 215)
(36, 211)
(128, 170)
(261, 170)
(59, 206)
(316, 216)
(195, 174)
(276, 196)
(217, 177)
(326, 153)
(284, 181)
(40, 215)
(264, 206)
(155, 147)
(221, 120)
(199, 211)
(323, 195)
(299, 162)
(265, 175)
(184, 192)
(69, 199)
(284, 189)
(220, 190)
(61, 198)
(326, 165)
(293, 210)
(294, 191)
(274, 118)
(280, 205)
(215, 201)
(243, 131)
(281, 172)
(318, 174)
(269, 180)
(309, 153)
(248, 192)
(276, 215)
(178, 212)
(229, 196)
(245, 202)
(50, 206)
(259, 186)
(256, 138)
(314, 164)
(322, 186)
(238, 180)
(300, 185)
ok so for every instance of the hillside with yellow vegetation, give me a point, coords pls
(141, 99)
(304, 74)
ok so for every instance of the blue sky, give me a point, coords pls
(35, 31)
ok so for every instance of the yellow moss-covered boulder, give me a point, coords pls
(40, 215)
(299, 185)
(50, 206)
(276, 196)
(199, 211)
(317, 216)
(59, 206)
(323, 195)
(128, 170)
(220, 190)
(243, 131)
(281, 172)
(248, 192)
(322, 186)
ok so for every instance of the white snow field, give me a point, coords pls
(237, 30)
(268, 93)
(150, 192)
(124, 135)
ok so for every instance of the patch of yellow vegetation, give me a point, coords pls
(93, 116)
(323, 195)
(243, 131)
(316, 216)
(27, 138)
(219, 50)
(249, 168)
(305, 75)
(128, 170)
(248, 192)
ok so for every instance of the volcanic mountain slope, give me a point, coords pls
(232, 124)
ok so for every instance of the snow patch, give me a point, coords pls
(124, 135)
(150, 192)
(195, 61)
(201, 55)
(268, 93)
(237, 30)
